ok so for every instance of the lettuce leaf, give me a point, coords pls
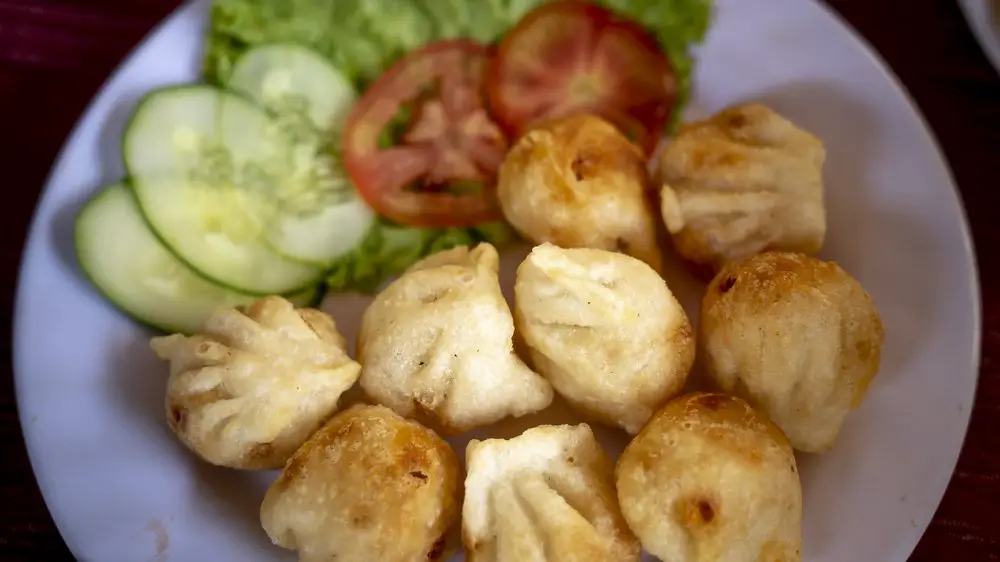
(388, 249)
(364, 37)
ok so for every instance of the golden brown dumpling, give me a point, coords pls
(579, 183)
(711, 480)
(545, 496)
(436, 345)
(745, 181)
(797, 337)
(369, 485)
(247, 390)
(605, 330)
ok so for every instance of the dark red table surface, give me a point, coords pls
(54, 55)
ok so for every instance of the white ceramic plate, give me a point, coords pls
(984, 20)
(121, 489)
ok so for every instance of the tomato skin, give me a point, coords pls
(570, 57)
(450, 137)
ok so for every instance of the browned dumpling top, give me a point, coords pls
(711, 480)
(797, 337)
(369, 485)
(579, 183)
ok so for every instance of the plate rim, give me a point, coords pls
(34, 225)
(921, 524)
(987, 36)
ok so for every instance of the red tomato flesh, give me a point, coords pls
(570, 57)
(448, 139)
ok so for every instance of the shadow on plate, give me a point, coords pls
(234, 497)
(109, 155)
(850, 132)
(864, 243)
(62, 234)
(138, 384)
(347, 310)
(110, 143)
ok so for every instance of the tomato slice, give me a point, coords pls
(569, 57)
(443, 139)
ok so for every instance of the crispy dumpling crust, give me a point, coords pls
(579, 183)
(247, 390)
(436, 345)
(546, 495)
(605, 330)
(369, 485)
(797, 337)
(711, 480)
(742, 182)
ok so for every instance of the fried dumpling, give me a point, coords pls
(544, 496)
(580, 183)
(711, 480)
(247, 390)
(795, 336)
(368, 486)
(436, 345)
(605, 330)
(743, 182)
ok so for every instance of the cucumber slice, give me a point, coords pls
(202, 133)
(319, 216)
(323, 238)
(206, 167)
(127, 263)
(295, 83)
